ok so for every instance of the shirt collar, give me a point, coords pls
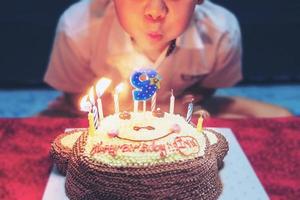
(191, 37)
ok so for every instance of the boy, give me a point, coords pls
(195, 46)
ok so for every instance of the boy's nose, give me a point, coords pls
(156, 10)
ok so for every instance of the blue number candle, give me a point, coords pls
(146, 82)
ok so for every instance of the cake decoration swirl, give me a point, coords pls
(113, 133)
(125, 115)
(176, 128)
(137, 128)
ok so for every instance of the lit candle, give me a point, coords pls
(100, 109)
(135, 106)
(91, 124)
(172, 102)
(101, 86)
(94, 108)
(153, 102)
(203, 114)
(144, 106)
(118, 89)
(189, 112)
(86, 106)
(200, 123)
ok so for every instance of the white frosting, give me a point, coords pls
(211, 137)
(145, 147)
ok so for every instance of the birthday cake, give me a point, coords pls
(140, 155)
(143, 156)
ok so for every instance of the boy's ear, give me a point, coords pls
(200, 1)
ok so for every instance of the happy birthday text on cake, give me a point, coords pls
(184, 145)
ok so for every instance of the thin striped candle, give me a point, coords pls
(100, 110)
(95, 113)
(153, 102)
(94, 108)
(189, 112)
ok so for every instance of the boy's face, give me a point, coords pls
(154, 23)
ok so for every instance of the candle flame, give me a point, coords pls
(119, 88)
(102, 85)
(84, 104)
(91, 95)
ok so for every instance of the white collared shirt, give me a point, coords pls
(90, 43)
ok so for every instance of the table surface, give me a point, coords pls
(271, 145)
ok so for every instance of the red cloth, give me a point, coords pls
(272, 146)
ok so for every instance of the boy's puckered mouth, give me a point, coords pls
(155, 35)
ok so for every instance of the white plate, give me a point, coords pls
(238, 177)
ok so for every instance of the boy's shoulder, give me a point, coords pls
(82, 15)
(216, 17)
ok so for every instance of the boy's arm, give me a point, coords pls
(227, 70)
(196, 94)
(66, 105)
(68, 71)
